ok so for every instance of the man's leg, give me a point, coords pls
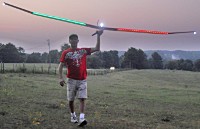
(82, 105)
(82, 120)
(82, 95)
(71, 96)
(71, 106)
(73, 114)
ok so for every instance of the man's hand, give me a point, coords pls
(62, 82)
(99, 32)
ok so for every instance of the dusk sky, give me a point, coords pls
(31, 32)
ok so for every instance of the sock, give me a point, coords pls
(82, 115)
(73, 114)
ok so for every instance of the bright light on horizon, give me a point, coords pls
(195, 32)
(3, 4)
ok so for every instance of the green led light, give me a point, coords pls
(59, 18)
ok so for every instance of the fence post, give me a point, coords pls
(42, 68)
(3, 67)
(34, 68)
(48, 69)
(55, 70)
(23, 68)
(16, 67)
(13, 68)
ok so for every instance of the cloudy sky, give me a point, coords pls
(32, 32)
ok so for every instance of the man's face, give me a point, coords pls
(73, 41)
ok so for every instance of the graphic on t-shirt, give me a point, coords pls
(76, 56)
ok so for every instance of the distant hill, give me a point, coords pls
(171, 55)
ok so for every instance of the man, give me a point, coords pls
(75, 60)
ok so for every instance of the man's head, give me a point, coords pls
(73, 36)
(73, 40)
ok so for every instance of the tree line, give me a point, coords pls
(133, 59)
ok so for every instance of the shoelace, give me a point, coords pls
(74, 117)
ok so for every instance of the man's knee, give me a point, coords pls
(71, 102)
(82, 99)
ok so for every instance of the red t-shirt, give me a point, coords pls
(75, 61)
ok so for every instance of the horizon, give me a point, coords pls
(103, 50)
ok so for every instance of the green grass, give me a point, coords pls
(136, 99)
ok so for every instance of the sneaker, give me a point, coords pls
(82, 122)
(74, 119)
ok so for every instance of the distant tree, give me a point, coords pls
(64, 47)
(21, 50)
(184, 64)
(93, 62)
(107, 60)
(1, 53)
(44, 57)
(188, 65)
(34, 58)
(180, 64)
(9, 53)
(142, 60)
(130, 58)
(157, 61)
(171, 65)
(197, 65)
(115, 58)
(121, 59)
(1, 45)
(54, 56)
(22, 54)
(134, 58)
(150, 63)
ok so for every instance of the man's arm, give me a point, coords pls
(97, 48)
(60, 70)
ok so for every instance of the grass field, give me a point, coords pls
(135, 99)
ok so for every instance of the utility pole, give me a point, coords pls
(48, 41)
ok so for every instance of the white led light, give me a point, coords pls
(101, 24)
(195, 32)
(4, 4)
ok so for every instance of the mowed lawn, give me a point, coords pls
(135, 99)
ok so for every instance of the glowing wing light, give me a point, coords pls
(101, 24)
(101, 27)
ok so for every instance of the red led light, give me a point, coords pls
(141, 31)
